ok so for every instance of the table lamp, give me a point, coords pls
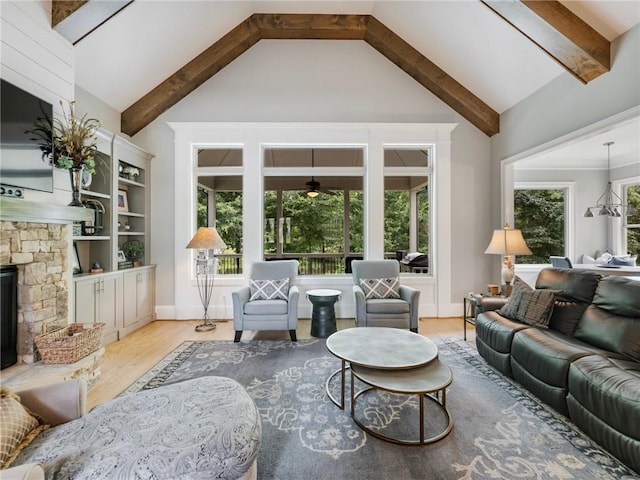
(507, 242)
(205, 240)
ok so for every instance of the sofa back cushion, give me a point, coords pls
(576, 290)
(612, 322)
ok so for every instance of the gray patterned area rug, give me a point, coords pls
(500, 430)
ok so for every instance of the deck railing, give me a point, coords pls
(310, 263)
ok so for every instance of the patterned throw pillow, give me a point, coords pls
(510, 309)
(380, 287)
(19, 427)
(536, 307)
(269, 289)
(526, 305)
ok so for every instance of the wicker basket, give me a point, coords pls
(71, 343)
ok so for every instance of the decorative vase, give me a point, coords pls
(76, 180)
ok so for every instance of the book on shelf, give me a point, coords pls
(125, 264)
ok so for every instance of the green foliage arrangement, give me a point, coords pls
(70, 140)
(74, 140)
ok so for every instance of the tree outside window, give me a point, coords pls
(632, 198)
(540, 214)
(312, 229)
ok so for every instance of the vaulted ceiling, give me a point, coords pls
(142, 57)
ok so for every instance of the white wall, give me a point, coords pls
(324, 81)
(38, 60)
(563, 107)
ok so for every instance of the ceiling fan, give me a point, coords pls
(313, 186)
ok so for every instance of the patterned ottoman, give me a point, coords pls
(202, 428)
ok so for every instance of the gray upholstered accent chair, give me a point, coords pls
(384, 312)
(275, 314)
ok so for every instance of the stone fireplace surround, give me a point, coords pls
(37, 237)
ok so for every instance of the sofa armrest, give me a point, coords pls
(489, 304)
(28, 471)
(57, 403)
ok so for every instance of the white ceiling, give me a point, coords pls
(149, 40)
(590, 153)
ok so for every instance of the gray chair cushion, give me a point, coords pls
(266, 307)
(387, 305)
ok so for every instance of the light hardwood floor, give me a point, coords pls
(126, 360)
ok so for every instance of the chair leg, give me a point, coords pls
(292, 333)
(414, 330)
(237, 337)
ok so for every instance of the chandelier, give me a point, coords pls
(609, 203)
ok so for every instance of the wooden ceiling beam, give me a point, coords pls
(61, 9)
(189, 77)
(308, 26)
(316, 27)
(432, 77)
(580, 49)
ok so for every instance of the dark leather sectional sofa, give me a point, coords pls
(586, 365)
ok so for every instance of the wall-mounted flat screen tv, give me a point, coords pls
(23, 163)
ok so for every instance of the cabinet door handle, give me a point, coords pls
(97, 287)
(101, 286)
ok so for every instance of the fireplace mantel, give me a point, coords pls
(18, 210)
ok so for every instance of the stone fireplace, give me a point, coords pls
(39, 250)
(36, 237)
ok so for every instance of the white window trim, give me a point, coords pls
(619, 227)
(252, 138)
(569, 209)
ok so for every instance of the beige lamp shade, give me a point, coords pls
(207, 238)
(508, 241)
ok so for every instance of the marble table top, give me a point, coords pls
(382, 347)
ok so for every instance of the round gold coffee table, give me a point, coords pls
(396, 361)
(428, 382)
(378, 347)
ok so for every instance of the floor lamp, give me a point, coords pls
(205, 241)
(508, 241)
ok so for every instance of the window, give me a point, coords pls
(406, 203)
(632, 222)
(219, 203)
(307, 212)
(540, 213)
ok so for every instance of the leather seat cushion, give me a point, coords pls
(615, 333)
(547, 354)
(387, 305)
(610, 390)
(497, 331)
(266, 307)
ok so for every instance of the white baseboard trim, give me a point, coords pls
(165, 312)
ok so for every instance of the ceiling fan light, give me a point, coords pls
(313, 193)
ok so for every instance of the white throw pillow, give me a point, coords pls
(269, 289)
(380, 287)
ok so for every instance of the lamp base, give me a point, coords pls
(508, 271)
(205, 327)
